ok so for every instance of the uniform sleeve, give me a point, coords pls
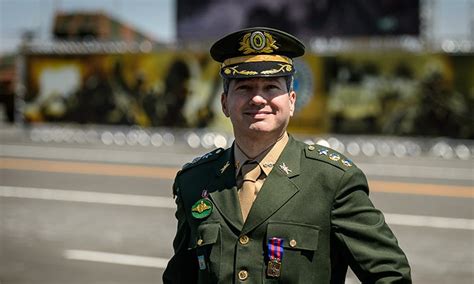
(182, 267)
(367, 242)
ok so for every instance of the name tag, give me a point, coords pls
(202, 262)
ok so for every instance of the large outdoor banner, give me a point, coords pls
(378, 93)
(206, 20)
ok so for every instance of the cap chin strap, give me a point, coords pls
(256, 58)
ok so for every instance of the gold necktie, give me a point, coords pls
(250, 172)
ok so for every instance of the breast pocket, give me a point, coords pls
(300, 245)
(207, 247)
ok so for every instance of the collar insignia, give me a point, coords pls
(227, 164)
(267, 165)
(285, 168)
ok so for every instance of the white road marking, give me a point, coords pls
(95, 155)
(409, 171)
(429, 221)
(167, 202)
(124, 259)
(178, 159)
(87, 196)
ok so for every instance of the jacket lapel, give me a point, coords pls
(278, 187)
(223, 190)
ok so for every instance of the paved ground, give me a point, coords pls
(99, 213)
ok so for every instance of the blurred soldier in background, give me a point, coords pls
(176, 92)
(271, 209)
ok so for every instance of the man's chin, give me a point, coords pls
(259, 126)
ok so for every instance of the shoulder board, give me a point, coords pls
(317, 152)
(211, 156)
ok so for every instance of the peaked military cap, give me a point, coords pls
(257, 52)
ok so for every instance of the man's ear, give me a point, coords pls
(292, 98)
(224, 104)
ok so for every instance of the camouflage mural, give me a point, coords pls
(166, 89)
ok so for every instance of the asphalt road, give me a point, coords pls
(94, 213)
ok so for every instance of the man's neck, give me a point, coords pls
(254, 146)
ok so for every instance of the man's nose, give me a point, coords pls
(259, 97)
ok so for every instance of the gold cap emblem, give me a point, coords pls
(258, 42)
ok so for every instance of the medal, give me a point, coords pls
(275, 254)
(274, 268)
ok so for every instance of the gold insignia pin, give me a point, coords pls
(285, 168)
(268, 165)
(201, 207)
(227, 164)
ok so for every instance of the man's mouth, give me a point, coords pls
(258, 114)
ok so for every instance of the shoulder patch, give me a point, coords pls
(203, 159)
(317, 152)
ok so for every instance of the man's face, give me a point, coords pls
(258, 105)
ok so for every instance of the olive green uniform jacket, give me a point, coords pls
(314, 198)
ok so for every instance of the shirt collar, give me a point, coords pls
(266, 159)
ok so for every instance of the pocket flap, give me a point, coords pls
(295, 235)
(207, 234)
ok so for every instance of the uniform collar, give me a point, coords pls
(266, 159)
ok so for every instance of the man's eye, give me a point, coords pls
(243, 87)
(273, 87)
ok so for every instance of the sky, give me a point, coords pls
(155, 18)
(452, 18)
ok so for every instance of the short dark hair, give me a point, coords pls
(289, 83)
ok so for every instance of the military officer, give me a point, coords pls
(271, 209)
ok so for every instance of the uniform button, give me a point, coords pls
(243, 275)
(243, 240)
(293, 243)
(199, 242)
(311, 147)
